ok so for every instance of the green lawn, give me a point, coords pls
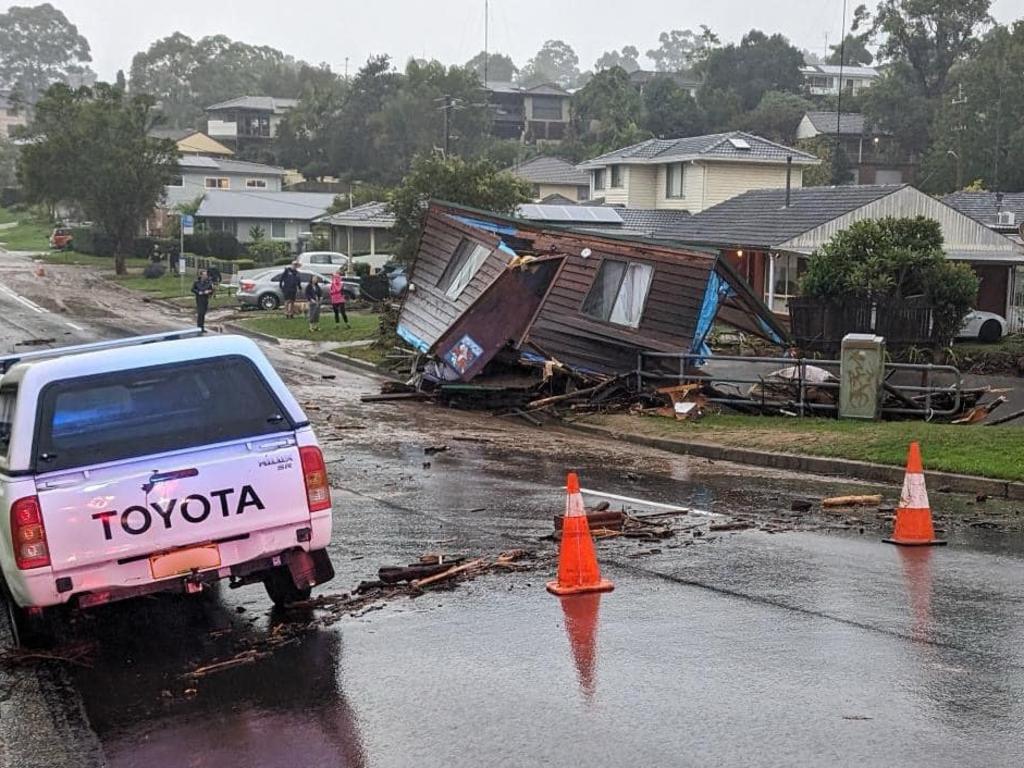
(30, 234)
(364, 326)
(974, 450)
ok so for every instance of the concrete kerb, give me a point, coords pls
(352, 363)
(817, 465)
(259, 335)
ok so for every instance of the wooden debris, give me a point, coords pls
(853, 501)
(245, 657)
(448, 574)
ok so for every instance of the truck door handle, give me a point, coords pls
(163, 477)
(61, 482)
(272, 444)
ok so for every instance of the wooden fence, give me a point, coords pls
(819, 325)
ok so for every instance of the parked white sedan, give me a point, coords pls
(983, 326)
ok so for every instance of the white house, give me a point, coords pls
(247, 117)
(826, 79)
(201, 174)
(282, 216)
(693, 173)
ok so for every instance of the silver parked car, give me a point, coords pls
(261, 288)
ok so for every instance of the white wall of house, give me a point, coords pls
(612, 195)
(240, 228)
(570, 191)
(724, 181)
(693, 189)
(222, 129)
(806, 129)
(641, 185)
(194, 184)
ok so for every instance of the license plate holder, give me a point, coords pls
(185, 560)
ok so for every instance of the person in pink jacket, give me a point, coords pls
(337, 292)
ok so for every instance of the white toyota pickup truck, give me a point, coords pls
(158, 463)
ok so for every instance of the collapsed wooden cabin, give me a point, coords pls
(483, 284)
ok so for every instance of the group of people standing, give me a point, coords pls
(291, 283)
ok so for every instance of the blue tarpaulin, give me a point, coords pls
(487, 226)
(716, 290)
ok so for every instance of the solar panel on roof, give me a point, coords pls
(739, 143)
(570, 214)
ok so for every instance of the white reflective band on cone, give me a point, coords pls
(574, 505)
(915, 495)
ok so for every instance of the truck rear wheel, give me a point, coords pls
(29, 629)
(281, 587)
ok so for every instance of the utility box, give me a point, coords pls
(862, 366)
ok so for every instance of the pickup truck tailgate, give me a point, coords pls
(139, 507)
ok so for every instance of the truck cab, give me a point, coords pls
(160, 463)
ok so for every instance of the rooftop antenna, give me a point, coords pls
(487, 24)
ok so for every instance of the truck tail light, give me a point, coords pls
(314, 472)
(28, 534)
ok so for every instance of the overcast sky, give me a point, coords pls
(450, 30)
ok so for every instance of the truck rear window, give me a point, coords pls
(143, 411)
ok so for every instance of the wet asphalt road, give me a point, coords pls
(740, 649)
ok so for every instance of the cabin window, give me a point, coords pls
(616, 173)
(619, 292)
(674, 180)
(468, 259)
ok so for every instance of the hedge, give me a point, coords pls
(92, 241)
(222, 245)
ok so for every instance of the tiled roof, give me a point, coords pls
(263, 103)
(241, 166)
(850, 123)
(301, 206)
(760, 218)
(834, 69)
(550, 170)
(659, 224)
(368, 215)
(985, 206)
(717, 146)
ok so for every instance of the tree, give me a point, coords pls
(38, 47)
(670, 111)
(896, 105)
(758, 64)
(8, 163)
(627, 59)
(776, 116)
(607, 111)
(977, 130)
(186, 76)
(477, 183)
(556, 62)
(93, 147)
(680, 49)
(852, 52)
(500, 68)
(305, 136)
(890, 260)
(929, 36)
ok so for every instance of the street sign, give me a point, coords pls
(188, 224)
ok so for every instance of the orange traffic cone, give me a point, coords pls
(577, 561)
(913, 526)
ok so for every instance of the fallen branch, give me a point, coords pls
(445, 575)
(853, 501)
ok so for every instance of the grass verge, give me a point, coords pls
(30, 232)
(364, 326)
(971, 450)
(85, 260)
(371, 354)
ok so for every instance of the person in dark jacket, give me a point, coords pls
(202, 289)
(290, 283)
(314, 295)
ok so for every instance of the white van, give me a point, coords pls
(159, 463)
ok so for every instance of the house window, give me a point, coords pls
(177, 181)
(788, 268)
(547, 108)
(616, 176)
(277, 230)
(599, 178)
(468, 259)
(582, 193)
(255, 183)
(674, 180)
(536, 190)
(214, 182)
(619, 292)
(224, 225)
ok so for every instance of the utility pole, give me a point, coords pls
(447, 124)
(487, 24)
(839, 99)
(959, 102)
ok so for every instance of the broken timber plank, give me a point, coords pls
(445, 575)
(853, 501)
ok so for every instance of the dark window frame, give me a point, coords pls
(615, 175)
(669, 194)
(466, 247)
(594, 283)
(47, 405)
(599, 179)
